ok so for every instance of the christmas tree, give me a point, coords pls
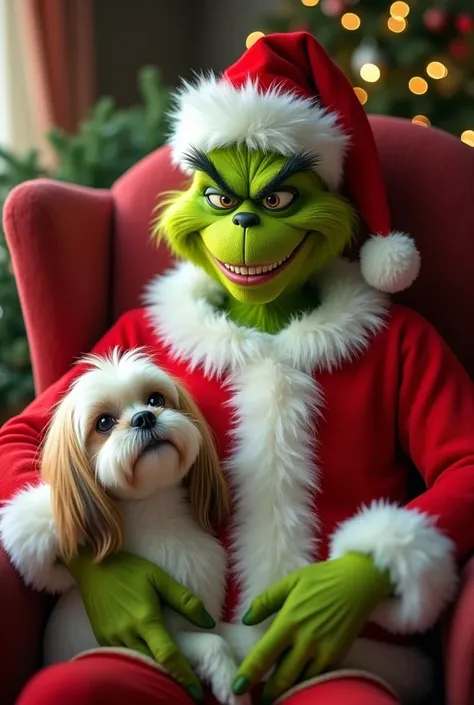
(106, 144)
(411, 59)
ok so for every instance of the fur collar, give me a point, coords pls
(183, 308)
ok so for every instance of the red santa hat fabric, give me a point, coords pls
(285, 95)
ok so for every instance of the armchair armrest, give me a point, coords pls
(22, 618)
(459, 643)
(60, 238)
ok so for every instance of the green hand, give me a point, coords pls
(123, 596)
(321, 610)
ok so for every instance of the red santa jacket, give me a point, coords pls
(318, 428)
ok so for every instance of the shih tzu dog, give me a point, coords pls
(128, 463)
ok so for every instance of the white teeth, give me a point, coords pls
(251, 271)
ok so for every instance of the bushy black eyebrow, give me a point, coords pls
(303, 161)
(198, 160)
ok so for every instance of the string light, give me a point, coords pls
(397, 24)
(370, 73)
(252, 38)
(436, 69)
(468, 137)
(421, 120)
(309, 3)
(417, 85)
(399, 9)
(362, 95)
(350, 21)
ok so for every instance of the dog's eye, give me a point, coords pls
(105, 423)
(156, 399)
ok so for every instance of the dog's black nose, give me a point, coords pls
(143, 419)
(246, 220)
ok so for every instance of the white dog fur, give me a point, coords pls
(149, 491)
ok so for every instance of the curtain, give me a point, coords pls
(57, 38)
(17, 130)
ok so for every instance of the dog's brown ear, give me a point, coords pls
(83, 512)
(208, 490)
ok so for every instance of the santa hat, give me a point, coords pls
(286, 95)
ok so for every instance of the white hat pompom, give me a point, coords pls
(390, 263)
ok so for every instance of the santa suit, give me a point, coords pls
(318, 428)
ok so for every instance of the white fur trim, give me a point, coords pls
(275, 400)
(28, 534)
(274, 474)
(182, 307)
(120, 651)
(390, 263)
(214, 113)
(419, 558)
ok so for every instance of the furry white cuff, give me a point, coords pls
(419, 558)
(28, 534)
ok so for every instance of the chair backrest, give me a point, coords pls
(136, 258)
(430, 181)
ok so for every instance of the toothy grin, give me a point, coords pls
(259, 274)
(252, 271)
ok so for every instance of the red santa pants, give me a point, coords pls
(116, 680)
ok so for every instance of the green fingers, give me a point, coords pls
(321, 609)
(166, 652)
(241, 685)
(196, 693)
(181, 600)
(259, 660)
(124, 596)
(207, 621)
(287, 672)
(269, 602)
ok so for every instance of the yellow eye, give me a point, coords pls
(220, 200)
(279, 200)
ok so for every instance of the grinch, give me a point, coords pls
(323, 397)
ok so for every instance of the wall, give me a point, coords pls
(227, 24)
(129, 35)
(177, 35)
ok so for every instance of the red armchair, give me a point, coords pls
(82, 256)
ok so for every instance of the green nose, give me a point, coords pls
(246, 220)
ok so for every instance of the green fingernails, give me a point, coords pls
(247, 618)
(196, 693)
(241, 685)
(207, 620)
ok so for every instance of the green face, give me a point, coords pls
(259, 223)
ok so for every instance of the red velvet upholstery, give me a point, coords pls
(82, 256)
